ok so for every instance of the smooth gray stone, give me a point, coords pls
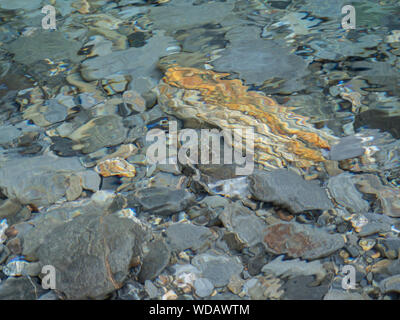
(140, 62)
(34, 233)
(287, 189)
(20, 288)
(103, 131)
(155, 261)
(44, 45)
(377, 223)
(163, 201)
(243, 222)
(217, 268)
(151, 289)
(343, 190)
(41, 180)
(299, 288)
(294, 268)
(92, 253)
(182, 236)
(347, 148)
(203, 287)
(8, 133)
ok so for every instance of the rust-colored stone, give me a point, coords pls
(298, 240)
(115, 167)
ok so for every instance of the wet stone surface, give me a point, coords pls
(287, 189)
(298, 240)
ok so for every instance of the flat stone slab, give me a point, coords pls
(287, 189)
(218, 268)
(347, 148)
(163, 201)
(92, 253)
(244, 223)
(182, 236)
(343, 189)
(301, 241)
(43, 180)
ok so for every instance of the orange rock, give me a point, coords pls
(116, 167)
(281, 136)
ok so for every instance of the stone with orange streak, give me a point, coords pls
(115, 167)
(282, 137)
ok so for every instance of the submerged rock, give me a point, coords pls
(163, 201)
(243, 223)
(343, 190)
(22, 288)
(184, 14)
(281, 137)
(388, 196)
(182, 236)
(347, 148)
(103, 131)
(258, 60)
(301, 241)
(288, 189)
(44, 45)
(155, 260)
(218, 268)
(139, 62)
(300, 288)
(294, 268)
(93, 261)
(44, 180)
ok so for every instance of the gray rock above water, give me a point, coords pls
(287, 189)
